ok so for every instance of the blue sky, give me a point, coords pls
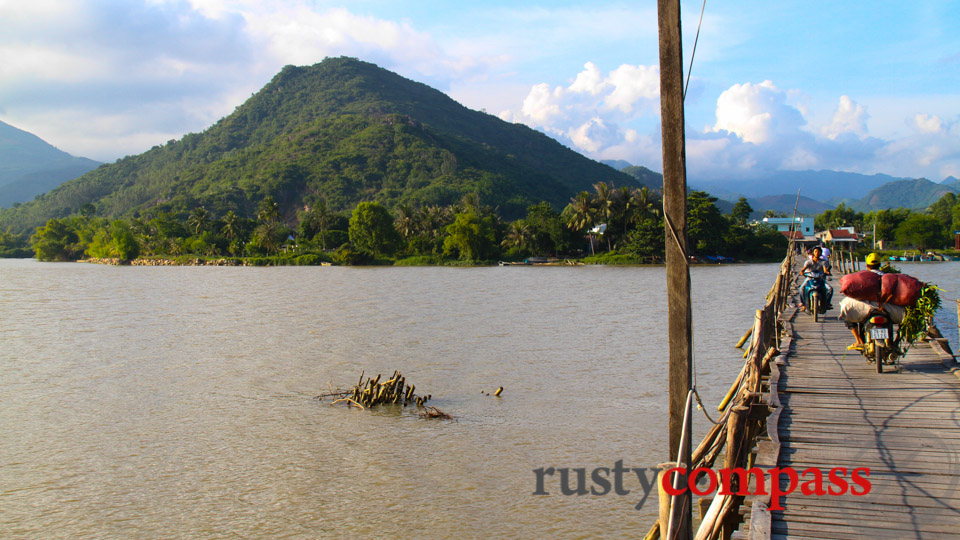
(868, 88)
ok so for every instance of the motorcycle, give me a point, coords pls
(881, 343)
(814, 290)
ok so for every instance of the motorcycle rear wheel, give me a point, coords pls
(878, 355)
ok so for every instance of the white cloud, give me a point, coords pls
(631, 85)
(757, 113)
(593, 135)
(849, 117)
(592, 112)
(542, 105)
(927, 124)
(589, 81)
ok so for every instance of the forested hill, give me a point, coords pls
(343, 130)
(29, 165)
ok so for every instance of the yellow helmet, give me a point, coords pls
(872, 260)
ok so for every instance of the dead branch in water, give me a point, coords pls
(371, 392)
(348, 400)
(433, 412)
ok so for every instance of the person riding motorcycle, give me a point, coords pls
(873, 264)
(813, 268)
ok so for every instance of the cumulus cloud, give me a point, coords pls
(758, 128)
(632, 85)
(542, 106)
(757, 113)
(849, 117)
(589, 81)
(590, 114)
(926, 123)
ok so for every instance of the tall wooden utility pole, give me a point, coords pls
(675, 214)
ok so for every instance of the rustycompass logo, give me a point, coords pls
(702, 481)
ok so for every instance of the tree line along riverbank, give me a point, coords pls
(610, 226)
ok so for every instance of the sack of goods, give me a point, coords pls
(899, 289)
(864, 285)
(895, 289)
(853, 310)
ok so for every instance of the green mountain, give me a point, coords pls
(29, 166)
(915, 194)
(344, 130)
(645, 176)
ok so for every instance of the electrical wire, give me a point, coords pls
(694, 53)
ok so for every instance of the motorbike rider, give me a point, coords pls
(815, 267)
(873, 264)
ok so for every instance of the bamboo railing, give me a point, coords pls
(745, 413)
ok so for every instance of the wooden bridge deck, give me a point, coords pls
(839, 412)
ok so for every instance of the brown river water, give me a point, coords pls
(179, 402)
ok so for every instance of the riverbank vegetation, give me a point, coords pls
(608, 226)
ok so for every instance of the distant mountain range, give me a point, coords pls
(29, 166)
(818, 190)
(343, 130)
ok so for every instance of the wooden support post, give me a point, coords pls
(736, 423)
(679, 319)
(675, 210)
(663, 516)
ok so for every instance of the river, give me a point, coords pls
(179, 402)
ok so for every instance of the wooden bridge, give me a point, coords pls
(837, 411)
(804, 401)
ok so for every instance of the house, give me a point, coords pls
(798, 229)
(844, 238)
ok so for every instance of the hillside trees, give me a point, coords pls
(706, 226)
(372, 231)
(13, 245)
(886, 222)
(57, 241)
(922, 231)
(471, 237)
(841, 216)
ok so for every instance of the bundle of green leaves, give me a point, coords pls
(917, 319)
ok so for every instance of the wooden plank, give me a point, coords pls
(850, 532)
(946, 513)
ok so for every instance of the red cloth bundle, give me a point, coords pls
(899, 289)
(864, 285)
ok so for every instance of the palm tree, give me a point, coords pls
(405, 221)
(604, 204)
(645, 204)
(584, 214)
(231, 228)
(269, 236)
(231, 225)
(622, 206)
(518, 236)
(320, 216)
(268, 210)
(198, 219)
